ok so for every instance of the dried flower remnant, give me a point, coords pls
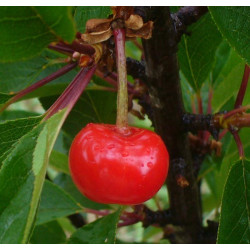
(99, 30)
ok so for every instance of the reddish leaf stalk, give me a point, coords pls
(193, 105)
(61, 49)
(201, 134)
(222, 134)
(115, 77)
(199, 100)
(72, 93)
(235, 111)
(238, 143)
(210, 97)
(243, 87)
(97, 212)
(128, 221)
(138, 45)
(209, 111)
(40, 83)
(81, 48)
(113, 81)
(122, 95)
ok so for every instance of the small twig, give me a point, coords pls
(243, 87)
(186, 16)
(137, 44)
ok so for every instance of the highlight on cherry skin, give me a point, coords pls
(111, 166)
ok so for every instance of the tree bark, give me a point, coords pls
(162, 73)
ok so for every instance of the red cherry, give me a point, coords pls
(114, 167)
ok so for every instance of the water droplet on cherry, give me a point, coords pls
(110, 146)
(125, 154)
(150, 164)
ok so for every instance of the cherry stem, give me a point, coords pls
(238, 143)
(72, 93)
(122, 94)
(243, 87)
(39, 84)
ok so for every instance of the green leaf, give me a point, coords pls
(59, 161)
(84, 13)
(228, 82)
(98, 232)
(234, 24)
(49, 233)
(26, 31)
(55, 203)
(221, 57)
(15, 114)
(234, 227)
(12, 131)
(4, 97)
(21, 180)
(15, 76)
(65, 182)
(197, 51)
(217, 169)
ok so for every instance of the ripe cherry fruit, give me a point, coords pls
(114, 166)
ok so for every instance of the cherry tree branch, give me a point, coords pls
(162, 72)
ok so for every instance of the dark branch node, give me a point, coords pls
(200, 122)
(77, 220)
(209, 234)
(136, 69)
(161, 218)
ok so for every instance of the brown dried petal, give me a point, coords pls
(97, 37)
(97, 25)
(134, 22)
(145, 32)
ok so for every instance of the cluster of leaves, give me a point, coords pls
(35, 210)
